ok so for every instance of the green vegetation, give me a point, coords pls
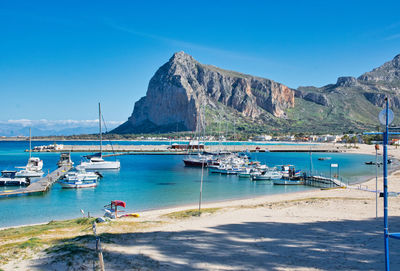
(22, 240)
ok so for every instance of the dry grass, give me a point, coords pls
(64, 239)
(21, 242)
(191, 213)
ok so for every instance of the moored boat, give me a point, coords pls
(34, 166)
(269, 175)
(32, 169)
(248, 172)
(96, 162)
(79, 178)
(9, 178)
(324, 158)
(78, 183)
(197, 160)
(65, 160)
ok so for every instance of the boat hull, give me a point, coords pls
(14, 182)
(190, 163)
(78, 184)
(29, 174)
(266, 177)
(106, 165)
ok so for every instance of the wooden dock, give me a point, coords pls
(41, 185)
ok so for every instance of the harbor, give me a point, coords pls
(148, 183)
(168, 148)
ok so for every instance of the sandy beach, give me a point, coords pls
(315, 230)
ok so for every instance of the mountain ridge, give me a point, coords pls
(183, 88)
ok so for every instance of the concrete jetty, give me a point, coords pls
(166, 149)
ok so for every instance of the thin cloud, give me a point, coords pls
(393, 37)
(49, 123)
(181, 43)
(394, 25)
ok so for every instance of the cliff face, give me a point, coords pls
(182, 87)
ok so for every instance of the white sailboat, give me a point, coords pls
(34, 166)
(97, 162)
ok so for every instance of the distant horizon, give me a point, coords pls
(58, 60)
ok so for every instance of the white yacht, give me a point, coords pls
(97, 162)
(32, 169)
(34, 166)
(8, 178)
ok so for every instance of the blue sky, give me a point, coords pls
(58, 59)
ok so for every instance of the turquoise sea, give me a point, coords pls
(154, 181)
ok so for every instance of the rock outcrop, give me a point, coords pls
(387, 73)
(182, 86)
(309, 94)
(378, 99)
(346, 81)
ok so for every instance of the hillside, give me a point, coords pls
(183, 88)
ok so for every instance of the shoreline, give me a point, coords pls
(362, 180)
(169, 238)
(210, 204)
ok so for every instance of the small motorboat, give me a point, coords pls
(389, 161)
(9, 178)
(324, 158)
(268, 175)
(79, 178)
(65, 160)
(248, 172)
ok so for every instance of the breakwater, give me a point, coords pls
(162, 149)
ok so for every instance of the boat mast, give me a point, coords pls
(101, 140)
(30, 143)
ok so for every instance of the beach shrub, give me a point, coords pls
(191, 213)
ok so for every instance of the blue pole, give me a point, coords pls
(385, 186)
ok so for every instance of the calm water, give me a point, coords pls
(152, 181)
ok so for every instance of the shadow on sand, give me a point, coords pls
(340, 245)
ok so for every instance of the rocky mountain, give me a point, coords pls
(183, 87)
(184, 95)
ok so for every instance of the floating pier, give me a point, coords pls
(41, 185)
(324, 182)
